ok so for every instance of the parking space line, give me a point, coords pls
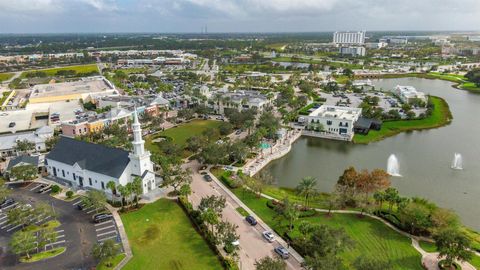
(3, 216)
(56, 243)
(103, 223)
(110, 232)
(77, 202)
(104, 228)
(3, 222)
(10, 206)
(106, 238)
(46, 190)
(35, 187)
(89, 212)
(13, 228)
(86, 208)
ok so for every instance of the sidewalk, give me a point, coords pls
(123, 235)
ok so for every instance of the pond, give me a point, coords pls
(425, 157)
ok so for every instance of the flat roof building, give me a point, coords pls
(87, 87)
(347, 37)
(408, 94)
(332, 121)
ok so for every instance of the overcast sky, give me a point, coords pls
(46, 16)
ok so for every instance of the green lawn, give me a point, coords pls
(181, 133)
(5, 76)
(372, 238)
(52, 71)
(441, 116)
(430, 247)
(43, 255)
(114, 262)
(162, 237)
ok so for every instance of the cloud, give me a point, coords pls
(237, 15)
(102, 5)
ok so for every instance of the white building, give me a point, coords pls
(332, 120)
(87, 165)
(342, 38)
(353, 51)
(9, 142)
(240, 100)
(408, 94)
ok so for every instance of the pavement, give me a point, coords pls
(78, 232)
(253, 246)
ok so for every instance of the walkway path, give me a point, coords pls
(280, 149)
(429, 259)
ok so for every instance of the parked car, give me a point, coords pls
(251, 220)
(11, 125)
(7, 202)
(207, 178)
(80, 206)
(228, 168)
(98, 218)
(238, 132)
(282, 252)
(269, 236)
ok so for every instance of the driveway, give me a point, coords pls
(77, 227)
(252, 244)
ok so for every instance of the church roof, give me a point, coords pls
(89, 156)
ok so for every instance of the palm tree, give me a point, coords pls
(122, 191)
(137, 188)
(111, 185)
(306, 188)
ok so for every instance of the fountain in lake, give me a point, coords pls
(457, 163)
(393, 167)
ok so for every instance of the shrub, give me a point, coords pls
(56, 189)
(69, 194)
(230, 263)
(228, 181)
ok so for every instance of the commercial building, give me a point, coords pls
(353, 51)
(85, 89)
(239, 100)
(9, 142)
(332, 121)
(409, 94)
(82, 164)
(344, 38)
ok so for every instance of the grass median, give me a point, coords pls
(440, 116)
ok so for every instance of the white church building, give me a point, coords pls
(87, 165)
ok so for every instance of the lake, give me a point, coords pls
(425, 157)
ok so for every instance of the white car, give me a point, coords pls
(269, 236)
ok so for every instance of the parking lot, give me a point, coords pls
(103, 230)
(23, 118)
(77, 232)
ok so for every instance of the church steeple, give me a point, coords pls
(138, 142)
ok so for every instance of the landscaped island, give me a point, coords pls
(439, 117)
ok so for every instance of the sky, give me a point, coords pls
(167, 16)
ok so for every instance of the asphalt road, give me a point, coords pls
(252, 244)
(78, 229)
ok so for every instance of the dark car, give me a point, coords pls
(80, 206)
(282, 252)
(251, 220)
(207, 178)
(12, 124)
(7, 202)
(98, 218)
